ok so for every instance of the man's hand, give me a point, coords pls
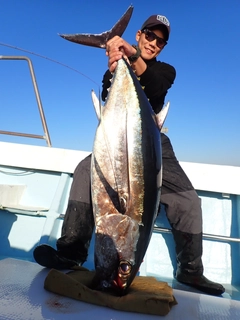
(116, 48)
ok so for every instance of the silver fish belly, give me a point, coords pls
(125, 180)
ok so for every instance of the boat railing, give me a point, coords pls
(46, 135)
(206, 236)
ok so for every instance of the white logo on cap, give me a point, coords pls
(163, 19)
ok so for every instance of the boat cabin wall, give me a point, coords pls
(34, 188)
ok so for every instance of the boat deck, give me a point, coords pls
(24, 298)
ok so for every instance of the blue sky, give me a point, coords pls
(204, 46)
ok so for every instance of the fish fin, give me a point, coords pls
(161, 116)
(100, 40)
(97, 105)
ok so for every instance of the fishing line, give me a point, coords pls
(52, 60)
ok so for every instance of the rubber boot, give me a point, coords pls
(72, 246)
(190, 267)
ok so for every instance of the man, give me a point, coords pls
(182, 205)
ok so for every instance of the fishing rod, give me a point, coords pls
(50, 59)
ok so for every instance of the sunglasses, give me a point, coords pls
(151, 36)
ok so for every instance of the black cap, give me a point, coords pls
(155, 21)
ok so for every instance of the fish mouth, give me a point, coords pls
(123, 274)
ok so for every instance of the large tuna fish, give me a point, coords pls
(125, 179)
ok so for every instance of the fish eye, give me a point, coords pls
(125, 267)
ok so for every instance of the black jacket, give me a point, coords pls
(156, 80)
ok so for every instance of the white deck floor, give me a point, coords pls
(22, 297)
